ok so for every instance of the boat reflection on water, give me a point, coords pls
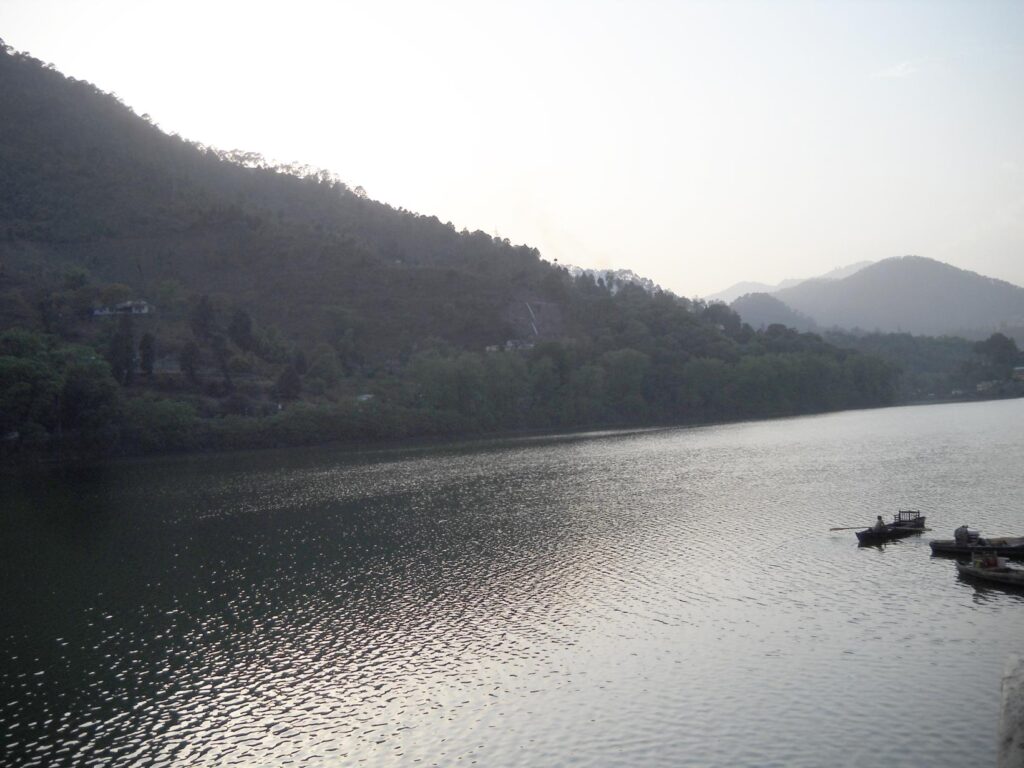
(989, 592)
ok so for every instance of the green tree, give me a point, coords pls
(75, 277)
(1000, 352)
(188, 359)
(29, 394)
(625, 370)
(725, 318)
(221, 354)
(240, 330)
(203, 318)
(114, 293)
(299, 361)
(505, 388)
(19, 342)
(168, 293)
(152, 426)
(271, 346)
(325, 366)
(289, 385)
(588, 395)
(121, 351)
(89, 406)
(147, 353)
(50, 392)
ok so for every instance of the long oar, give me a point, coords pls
(861, 527)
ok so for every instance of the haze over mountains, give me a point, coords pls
(909, 294)
(733, 292)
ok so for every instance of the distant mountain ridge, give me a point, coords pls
(910, 294)
(733, 292)
(913, 294)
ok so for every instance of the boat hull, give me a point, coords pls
(892, 531)
(1007, 547)
(1013, 577)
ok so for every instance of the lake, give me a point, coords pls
(657, 598)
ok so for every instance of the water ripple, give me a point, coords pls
(660, 598)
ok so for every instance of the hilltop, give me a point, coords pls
(763, 309)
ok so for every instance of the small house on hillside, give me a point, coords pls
(133, 307)
(1018, 372)
(518, 345)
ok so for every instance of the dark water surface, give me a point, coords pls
(661, 598)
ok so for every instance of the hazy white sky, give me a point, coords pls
(696, 143)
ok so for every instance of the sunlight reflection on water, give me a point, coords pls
(658, 598)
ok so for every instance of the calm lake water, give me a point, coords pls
(670, 597)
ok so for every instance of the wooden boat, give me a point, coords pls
(1007, 546)
(906, 522)
(990, 567)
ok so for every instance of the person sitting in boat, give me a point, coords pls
(879, 525)
(962, 535)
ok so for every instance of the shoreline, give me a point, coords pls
(427, 441)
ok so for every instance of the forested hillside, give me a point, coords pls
(160, 295)
(944, 366)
